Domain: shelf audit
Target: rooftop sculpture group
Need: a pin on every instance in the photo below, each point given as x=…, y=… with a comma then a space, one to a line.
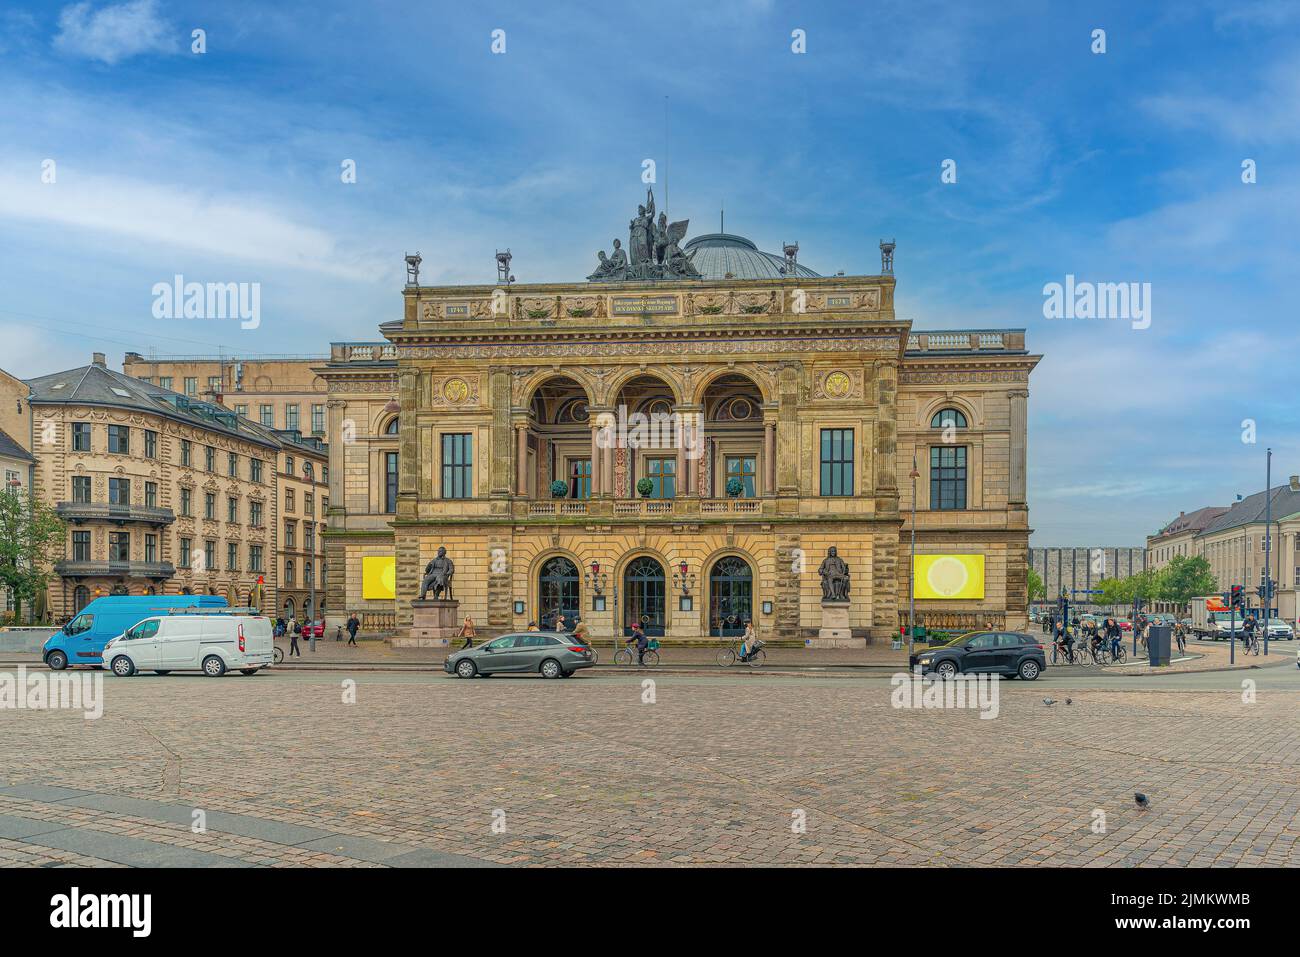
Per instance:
x=654, y=250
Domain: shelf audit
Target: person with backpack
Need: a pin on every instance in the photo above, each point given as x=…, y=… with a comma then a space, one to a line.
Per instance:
x=294, y=630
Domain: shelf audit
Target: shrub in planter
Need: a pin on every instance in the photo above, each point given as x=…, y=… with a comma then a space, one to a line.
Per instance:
x=559, y=489
x=644, y=487
x=735, y=487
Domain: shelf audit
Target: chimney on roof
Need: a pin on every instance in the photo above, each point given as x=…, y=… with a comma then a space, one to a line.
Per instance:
x=97, y=358
x=1181, y=514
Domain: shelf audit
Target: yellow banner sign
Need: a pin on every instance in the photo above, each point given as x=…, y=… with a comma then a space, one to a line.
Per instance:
x=378, y=576
x=949, y=576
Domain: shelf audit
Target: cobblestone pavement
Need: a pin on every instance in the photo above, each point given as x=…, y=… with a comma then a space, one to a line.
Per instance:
x=428, y=770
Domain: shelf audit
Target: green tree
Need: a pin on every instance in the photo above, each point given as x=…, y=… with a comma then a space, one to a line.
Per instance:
x=1036, y=588
x=1186, y=578
x=31, y=538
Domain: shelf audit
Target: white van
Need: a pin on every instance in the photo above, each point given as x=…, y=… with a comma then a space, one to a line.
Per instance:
x=211, y=643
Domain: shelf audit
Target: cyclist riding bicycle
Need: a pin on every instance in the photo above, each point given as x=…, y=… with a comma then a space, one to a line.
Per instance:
x=1248, y=631
x=642, y=642
x=1115, y=634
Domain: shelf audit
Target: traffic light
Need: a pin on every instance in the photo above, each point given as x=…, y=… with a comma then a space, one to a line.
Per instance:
x=1236, y=600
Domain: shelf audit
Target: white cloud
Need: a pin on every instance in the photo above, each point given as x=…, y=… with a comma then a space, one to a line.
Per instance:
x=113, y=33
x=240, y=228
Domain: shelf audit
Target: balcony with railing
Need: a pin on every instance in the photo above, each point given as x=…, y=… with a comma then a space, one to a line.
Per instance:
x=112, y=568
x=76, y=513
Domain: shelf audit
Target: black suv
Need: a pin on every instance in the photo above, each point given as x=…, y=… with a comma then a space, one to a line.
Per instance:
x=1009, y=653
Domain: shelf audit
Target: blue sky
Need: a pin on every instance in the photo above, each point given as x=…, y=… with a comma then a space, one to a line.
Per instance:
x=1115, y=167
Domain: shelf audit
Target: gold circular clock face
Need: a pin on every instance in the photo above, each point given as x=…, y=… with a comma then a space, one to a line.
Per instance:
x=455, y=390
x=947, y=577
x=837, y=385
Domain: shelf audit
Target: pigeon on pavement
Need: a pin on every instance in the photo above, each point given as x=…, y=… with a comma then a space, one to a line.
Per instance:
x=1142, y=800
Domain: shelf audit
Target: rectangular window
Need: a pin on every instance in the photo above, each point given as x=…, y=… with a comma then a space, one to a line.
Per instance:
x=289, y=500
x=232, y=556
x=210, y=555
x=662, y=474
x=741, y=468
x=119, y=440
x=119, y=491
x=288, y=465
x=165, y=382
x=290, y=534
x=151, y=494
x=81, y=436
x=318, y=419
x=241, y=408
x=309, y=504
x=191, y=386
x=309, y=536
x=81, y=546
x=255, y=514
x=232, y=464
x=187, y=448
x=266, y=415
x=291, y=416
x=81, y=489
x=837, y=462
x=151, y=548
x=579, y=478
x=390, y=483
x=948, y=477
x=210, y=506
x=186, y=498
x=150, y=444
x=232, y=509
x=254, y=558
x=119, y=546
x=209, y=458
x=214, y=383
x=457, y=465
x=185, y=553
x=255, y=470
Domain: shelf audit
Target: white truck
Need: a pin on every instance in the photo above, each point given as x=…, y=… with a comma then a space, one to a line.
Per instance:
x=1211, y=618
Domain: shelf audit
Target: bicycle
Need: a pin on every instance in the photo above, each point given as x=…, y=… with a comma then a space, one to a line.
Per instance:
x=731, y=654
x=277, y=655
x=627, y=656
x=1250, y=643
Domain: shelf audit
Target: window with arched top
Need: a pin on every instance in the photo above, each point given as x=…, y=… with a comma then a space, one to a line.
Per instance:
x=392, y=427
x=948, y=418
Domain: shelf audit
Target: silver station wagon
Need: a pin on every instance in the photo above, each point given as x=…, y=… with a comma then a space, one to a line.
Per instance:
x=552, y=654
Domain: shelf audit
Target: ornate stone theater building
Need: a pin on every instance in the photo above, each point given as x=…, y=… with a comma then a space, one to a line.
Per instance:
x=678, y=441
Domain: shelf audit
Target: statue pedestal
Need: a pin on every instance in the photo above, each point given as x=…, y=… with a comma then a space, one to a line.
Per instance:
x=835, y=631
x=436, y=623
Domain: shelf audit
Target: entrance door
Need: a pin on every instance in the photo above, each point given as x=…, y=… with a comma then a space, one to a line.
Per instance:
x=731, y=597
x=557, y=593
x=643, y=586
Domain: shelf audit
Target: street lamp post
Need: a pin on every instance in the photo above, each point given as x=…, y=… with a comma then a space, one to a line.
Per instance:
x=911, y=572
x=1268, y=544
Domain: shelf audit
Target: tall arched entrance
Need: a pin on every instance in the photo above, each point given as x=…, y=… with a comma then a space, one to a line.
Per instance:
x=731, y=597
x=643, y=591
x=557, y=593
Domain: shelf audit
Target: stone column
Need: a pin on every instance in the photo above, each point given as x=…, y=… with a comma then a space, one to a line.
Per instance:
x=408, y=476
x=769, y=458
x=1019, y=425
x=521, y=458
x=595, y=463
x=337, y=454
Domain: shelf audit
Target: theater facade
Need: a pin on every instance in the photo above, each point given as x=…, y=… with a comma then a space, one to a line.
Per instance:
x=678, y=441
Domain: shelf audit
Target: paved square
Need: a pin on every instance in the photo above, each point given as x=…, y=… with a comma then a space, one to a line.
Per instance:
x=425, y=770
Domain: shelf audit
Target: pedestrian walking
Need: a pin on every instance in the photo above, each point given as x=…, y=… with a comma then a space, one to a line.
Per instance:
x=293, y=637
x=354, y=623
x=468, y=633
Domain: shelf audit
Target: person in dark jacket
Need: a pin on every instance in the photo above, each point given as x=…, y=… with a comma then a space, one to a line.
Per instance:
x=354, y=623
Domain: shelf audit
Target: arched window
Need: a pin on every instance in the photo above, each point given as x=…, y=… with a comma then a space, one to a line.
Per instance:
x=392, y=427
x=948, y=418
x=288, y=573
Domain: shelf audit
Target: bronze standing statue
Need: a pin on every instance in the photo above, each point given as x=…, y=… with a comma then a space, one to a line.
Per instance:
x=437, y=575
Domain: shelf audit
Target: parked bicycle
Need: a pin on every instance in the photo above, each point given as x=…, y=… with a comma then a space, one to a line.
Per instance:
x=731, y=654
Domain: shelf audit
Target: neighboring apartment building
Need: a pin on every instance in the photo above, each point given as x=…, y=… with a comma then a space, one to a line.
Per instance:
x=1234, y=545
x=162, y=493
x=16, y=471
x=277, y=393
x=302, y=476
x=1178, y=538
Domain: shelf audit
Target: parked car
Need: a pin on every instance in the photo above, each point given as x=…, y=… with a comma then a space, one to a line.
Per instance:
x=211, y=643
x=553, y=654
x=1009, y=653
x=1125, y=625
x=81, y=641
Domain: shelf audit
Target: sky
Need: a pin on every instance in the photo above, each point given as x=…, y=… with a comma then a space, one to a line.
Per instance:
x=128, y=157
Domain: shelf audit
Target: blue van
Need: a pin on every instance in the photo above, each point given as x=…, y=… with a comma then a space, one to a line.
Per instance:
x=82, y=640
